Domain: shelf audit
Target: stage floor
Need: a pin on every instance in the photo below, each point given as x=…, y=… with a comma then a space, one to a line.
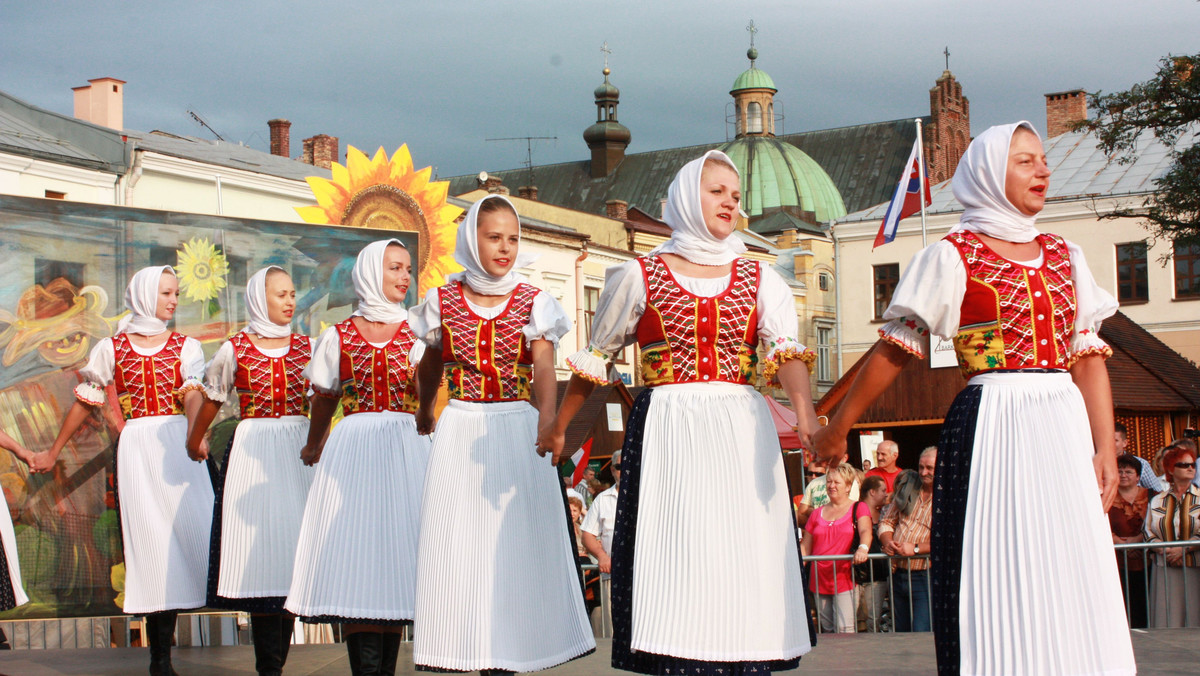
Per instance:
x=1162, y=651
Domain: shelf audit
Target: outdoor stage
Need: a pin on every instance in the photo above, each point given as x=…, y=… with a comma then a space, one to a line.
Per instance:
x=1162, y=651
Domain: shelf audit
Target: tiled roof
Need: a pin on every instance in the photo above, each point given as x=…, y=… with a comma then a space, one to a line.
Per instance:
x=864, y=162
x=29, y=131
x=226, y=154
x=1079, y=169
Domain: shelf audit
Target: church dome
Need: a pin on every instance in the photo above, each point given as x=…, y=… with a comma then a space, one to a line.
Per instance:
x=607, y=131
x=778, y=176
x=753, y=78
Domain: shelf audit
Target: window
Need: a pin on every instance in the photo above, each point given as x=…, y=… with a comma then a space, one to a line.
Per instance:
x=824, y=354
x=46, y=270
x=885, y=278
x=754, y=118
x=591, y=298
x=823, y=281
x=1187, y=270
x=1132, y=280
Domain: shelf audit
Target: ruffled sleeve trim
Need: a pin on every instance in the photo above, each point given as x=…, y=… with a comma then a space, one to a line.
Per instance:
x=189, y=384
x=90, y=393
x=590, y=364
x=907, y=334
x=782, y=350
x=547, y=320
x=218, y=377
x=1086, y=343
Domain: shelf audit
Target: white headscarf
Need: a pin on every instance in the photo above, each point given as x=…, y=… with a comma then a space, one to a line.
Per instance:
x=978, y=185
x=690, y=237
x=141, y=297
x=466, y=254
x=260, y=322
x=368, y=284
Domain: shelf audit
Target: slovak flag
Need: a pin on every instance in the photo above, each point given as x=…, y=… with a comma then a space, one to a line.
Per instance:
x=906, y=200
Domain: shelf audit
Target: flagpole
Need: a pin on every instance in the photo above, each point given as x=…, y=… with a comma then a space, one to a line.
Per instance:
x=921, y=185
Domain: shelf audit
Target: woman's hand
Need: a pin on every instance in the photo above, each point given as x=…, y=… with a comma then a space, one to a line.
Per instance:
x=828, y=444
x=425, y=422
x=311, y=453
x=860, y=555
x=42, y=462
x=1175, y=556
x=551, y=441
x=200, y=452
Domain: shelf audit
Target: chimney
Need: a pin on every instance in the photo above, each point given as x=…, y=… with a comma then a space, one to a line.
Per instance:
x=102, y=102
x=281, y=137
x=617, y=209
x=320, y=150
x=529, y=192
x=1064, y=110
x=495, y=184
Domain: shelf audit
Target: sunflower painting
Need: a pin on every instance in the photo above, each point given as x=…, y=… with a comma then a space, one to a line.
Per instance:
x=202, y=270
x=389, y=194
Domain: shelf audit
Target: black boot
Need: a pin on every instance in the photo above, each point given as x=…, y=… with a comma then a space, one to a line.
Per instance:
x=391, y=653
x=287, y=623
x=160, y=631
x=365, y=649
x=268, y=658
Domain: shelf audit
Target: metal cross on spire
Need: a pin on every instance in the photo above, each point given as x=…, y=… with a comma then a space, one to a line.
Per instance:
x=751, y=29
x=607, y=52
x=947, y=53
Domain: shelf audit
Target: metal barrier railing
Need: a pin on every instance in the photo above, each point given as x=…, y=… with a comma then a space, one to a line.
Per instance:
x=875, y=606
x=1160, y=598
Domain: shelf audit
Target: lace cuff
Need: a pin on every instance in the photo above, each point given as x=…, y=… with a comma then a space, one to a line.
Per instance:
x=1086, y=342
x=908, y=335
x=214, y=394
x=783, y=350
x=90, y=393
x=190, y=383
x=590, y=364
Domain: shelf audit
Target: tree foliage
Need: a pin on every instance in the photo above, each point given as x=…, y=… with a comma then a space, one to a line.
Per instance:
x=1167, y=106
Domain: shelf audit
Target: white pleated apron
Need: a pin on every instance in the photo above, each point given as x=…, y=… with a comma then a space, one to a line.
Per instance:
x=166, y=503
x=1039, y=592
x=357, y=554
x=497, y=585
x=266, y=486
x=716, y=573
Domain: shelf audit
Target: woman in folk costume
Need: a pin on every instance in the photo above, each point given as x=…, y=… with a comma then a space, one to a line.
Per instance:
x=12, y=593
x=357, y=556
x=1024, y=580
x=260, y=498
x=164, y=499
x=498, y=589
x=703, y=582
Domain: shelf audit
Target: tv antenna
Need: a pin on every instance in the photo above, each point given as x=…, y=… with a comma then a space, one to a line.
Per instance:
x=528, y=150
x=200, y=121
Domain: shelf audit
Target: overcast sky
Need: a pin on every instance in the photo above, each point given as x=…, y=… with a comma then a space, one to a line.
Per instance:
x=445, y=76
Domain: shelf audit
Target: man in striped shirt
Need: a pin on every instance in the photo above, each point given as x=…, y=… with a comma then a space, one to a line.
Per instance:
x=904, y=531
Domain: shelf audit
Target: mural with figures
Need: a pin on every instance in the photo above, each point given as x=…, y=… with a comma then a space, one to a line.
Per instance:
x=62, y=281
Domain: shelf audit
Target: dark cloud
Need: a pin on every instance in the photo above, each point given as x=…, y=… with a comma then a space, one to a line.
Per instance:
x=445, y=76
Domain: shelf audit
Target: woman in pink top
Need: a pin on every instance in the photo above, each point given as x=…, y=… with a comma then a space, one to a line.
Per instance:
x=830, y=532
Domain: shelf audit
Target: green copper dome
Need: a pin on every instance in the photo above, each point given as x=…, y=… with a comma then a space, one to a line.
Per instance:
x=777, y=174
x=753, y=78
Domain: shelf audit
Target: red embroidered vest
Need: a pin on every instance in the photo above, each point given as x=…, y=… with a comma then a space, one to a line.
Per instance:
x=1014, y=316
x=271, y=387
x=146, y=385
x=377, y=378
x=486, y=359
x=687, y=339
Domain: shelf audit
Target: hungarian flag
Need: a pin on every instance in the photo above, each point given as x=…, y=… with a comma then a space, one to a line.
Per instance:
x=907, y=199
x=580, y=460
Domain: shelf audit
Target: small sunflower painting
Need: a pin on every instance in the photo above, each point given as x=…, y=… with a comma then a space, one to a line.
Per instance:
x=390, y=194
x=202, y=270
